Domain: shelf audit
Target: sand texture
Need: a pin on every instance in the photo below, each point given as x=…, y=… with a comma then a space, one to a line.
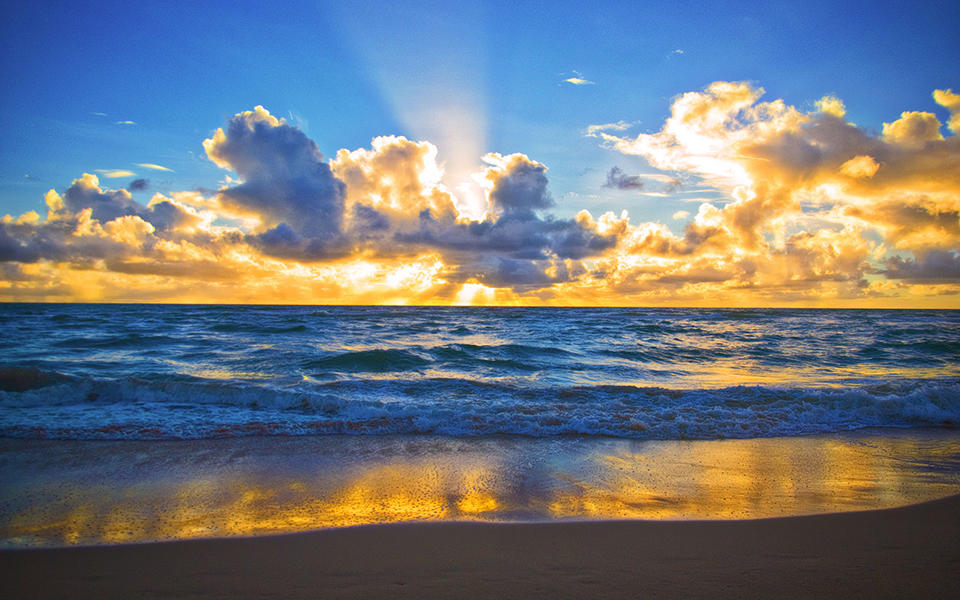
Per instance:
x=896, y=553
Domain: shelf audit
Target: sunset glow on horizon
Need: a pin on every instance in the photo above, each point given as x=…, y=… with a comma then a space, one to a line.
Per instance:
x=734, y=196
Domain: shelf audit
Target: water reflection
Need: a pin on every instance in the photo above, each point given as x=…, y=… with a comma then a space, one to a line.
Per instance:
x=61, y=493
x=739, y=479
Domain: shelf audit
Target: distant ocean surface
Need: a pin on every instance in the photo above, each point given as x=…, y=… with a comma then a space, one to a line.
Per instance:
x=159, y=372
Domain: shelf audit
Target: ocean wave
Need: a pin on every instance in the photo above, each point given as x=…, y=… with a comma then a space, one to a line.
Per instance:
x=22, y=379
x=39, y=404
x=249, y=328
x=145, y=371
x=377, y=360
x=123, y=340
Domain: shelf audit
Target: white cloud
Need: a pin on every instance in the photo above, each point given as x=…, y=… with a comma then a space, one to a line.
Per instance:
x=578, y=79
x=155, y=167
x=596, y=130
x=114, y=173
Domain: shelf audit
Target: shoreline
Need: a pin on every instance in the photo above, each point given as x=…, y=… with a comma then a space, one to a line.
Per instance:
x=911, y=550
x=70, y=493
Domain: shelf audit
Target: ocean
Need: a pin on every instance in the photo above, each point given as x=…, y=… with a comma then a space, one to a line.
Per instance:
x=498, y=413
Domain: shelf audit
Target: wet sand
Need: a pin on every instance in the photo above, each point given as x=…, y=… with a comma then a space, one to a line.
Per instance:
x=902, y=552
x=67, y=493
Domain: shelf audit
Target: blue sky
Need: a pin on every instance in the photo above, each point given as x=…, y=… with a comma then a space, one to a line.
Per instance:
x=345, y=72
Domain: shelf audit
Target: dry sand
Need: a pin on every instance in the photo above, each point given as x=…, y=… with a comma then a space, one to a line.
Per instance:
x=897, y=553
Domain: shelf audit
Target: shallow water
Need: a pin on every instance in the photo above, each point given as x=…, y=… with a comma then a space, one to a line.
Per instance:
x=89, y=492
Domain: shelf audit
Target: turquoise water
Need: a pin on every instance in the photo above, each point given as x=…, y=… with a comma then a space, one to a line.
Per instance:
x=197, y=372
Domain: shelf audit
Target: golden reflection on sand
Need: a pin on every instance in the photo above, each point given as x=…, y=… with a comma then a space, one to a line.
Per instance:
x=731, y=479
x=737, y=479
x=247, y=506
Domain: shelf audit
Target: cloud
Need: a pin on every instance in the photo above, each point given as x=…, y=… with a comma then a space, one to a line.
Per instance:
x=85, y=193
x=617, y=179
x=138, y=185
x=831, y=105
x=577, y=79
x=913, y=129
x=782, y=169
x=912, y=222
x=126, y=123
x=951, y=102
x=519, y=186
x=804, y=207
x=396, y=204
x=395, y=178
x=155, y=167
x=285, y=184
x=860, y=166
x=388, y=201
x=86, y=197
x=115, y=173
x=595, y=130
x=933, y=266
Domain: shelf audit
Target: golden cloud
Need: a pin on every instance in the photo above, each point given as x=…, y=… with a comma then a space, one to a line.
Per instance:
x=860, y=166
x=115, y=173
x=951, y=102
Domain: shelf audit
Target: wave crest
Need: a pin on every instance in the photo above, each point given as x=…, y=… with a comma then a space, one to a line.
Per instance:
x=49, y=405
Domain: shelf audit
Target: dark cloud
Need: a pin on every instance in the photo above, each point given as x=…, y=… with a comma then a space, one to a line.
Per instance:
x=285, y=182
x=138, y=185
x=619, y=180
x=283, y=241
x=18, y=243
x=56, y=241
x=934, y=266
x=166, y=215
x=534, y=239
x=518, y=274
x=107, y=205
x=521, y=190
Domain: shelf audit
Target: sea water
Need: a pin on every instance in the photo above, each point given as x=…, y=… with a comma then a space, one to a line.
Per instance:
x=253, y=419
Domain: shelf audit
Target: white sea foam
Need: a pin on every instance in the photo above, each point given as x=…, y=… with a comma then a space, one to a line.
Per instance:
x=95, y=409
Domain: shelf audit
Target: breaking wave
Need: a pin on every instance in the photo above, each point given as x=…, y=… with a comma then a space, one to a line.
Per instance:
x=51, y=405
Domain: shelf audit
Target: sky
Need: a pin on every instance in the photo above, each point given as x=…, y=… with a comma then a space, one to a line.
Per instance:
x=561, y=153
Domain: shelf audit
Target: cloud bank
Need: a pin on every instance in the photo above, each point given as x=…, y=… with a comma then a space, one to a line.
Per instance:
x=814, y=211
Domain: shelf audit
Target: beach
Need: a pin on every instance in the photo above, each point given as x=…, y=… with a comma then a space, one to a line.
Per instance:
x=430, y=517
x=893, y=553
x=178, y=451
